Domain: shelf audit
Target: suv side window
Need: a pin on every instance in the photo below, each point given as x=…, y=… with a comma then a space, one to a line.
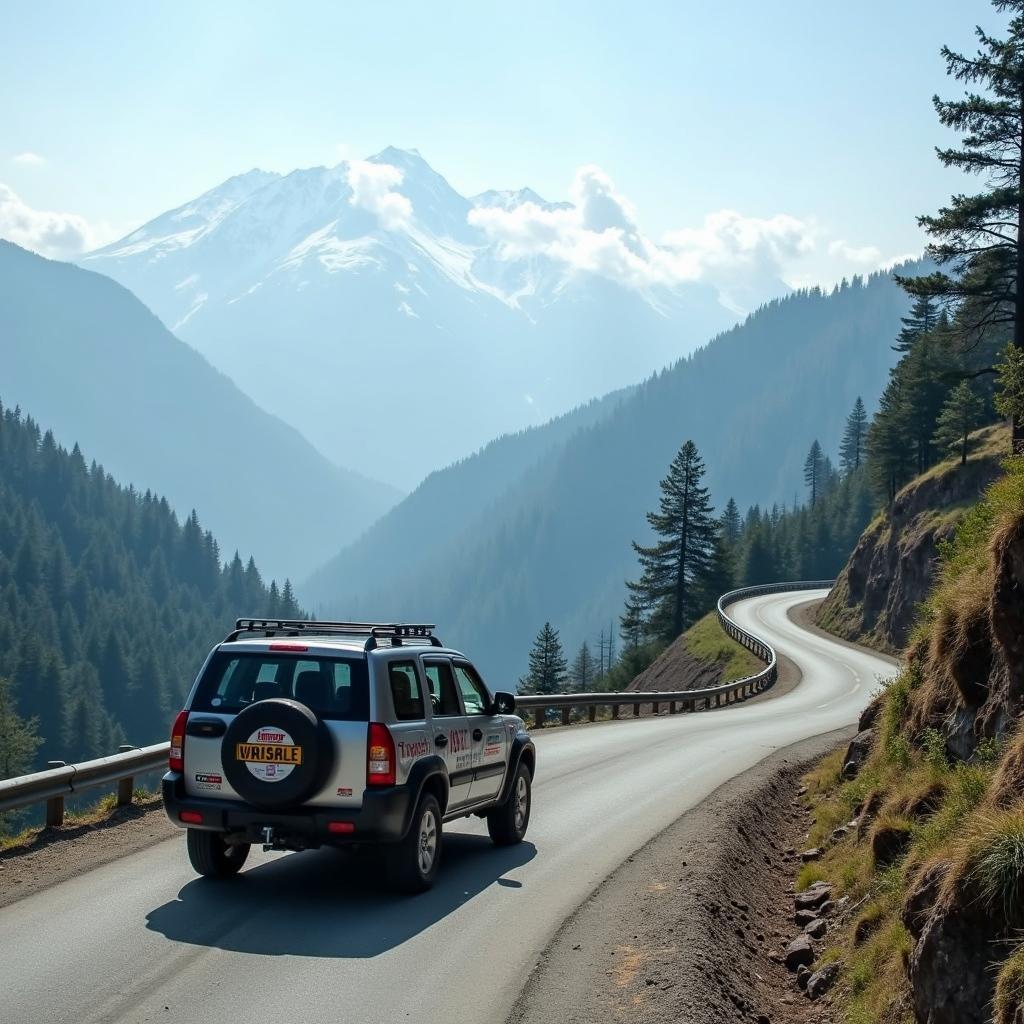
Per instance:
x=405, y=691
x=443, y=697
x=474, y=693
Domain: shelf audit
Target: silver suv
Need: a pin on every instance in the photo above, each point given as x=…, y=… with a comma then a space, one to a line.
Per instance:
x=302, y=734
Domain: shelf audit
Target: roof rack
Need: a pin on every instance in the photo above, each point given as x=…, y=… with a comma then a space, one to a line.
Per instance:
x=395, y=632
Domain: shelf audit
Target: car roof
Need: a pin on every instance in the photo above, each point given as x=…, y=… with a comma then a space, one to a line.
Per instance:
x=330, y=646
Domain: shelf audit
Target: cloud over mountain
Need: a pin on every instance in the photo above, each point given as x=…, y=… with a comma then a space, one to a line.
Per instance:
x=56, y=235
x=382, y=276
x=373, y=190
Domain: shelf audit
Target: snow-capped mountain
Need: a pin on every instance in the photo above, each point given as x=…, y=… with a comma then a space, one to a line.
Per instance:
x=377, y=309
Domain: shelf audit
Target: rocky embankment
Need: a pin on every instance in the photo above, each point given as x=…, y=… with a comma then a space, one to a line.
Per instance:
x=892, y=568
x=919, y=824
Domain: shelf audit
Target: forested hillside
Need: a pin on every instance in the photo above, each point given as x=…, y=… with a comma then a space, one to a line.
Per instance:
x=107, y=602
x=554, y=542
x=86, y=357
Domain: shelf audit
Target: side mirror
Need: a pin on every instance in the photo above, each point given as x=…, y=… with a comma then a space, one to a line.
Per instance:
x=503, y=703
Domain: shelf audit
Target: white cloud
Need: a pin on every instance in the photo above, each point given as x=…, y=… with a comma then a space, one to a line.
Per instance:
x=728, y=240
x=599, y=234
x=373, y=190
x=29, y=159
x=865, y=255
x=57, y=235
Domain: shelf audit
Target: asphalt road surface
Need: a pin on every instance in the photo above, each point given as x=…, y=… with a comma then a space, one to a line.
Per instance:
x=313, y=937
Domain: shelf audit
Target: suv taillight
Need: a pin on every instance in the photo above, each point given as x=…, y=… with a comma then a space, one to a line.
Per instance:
x=176, y=757
x=380, y=756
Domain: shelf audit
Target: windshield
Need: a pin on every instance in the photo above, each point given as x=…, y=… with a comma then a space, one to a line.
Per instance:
x=334, y=688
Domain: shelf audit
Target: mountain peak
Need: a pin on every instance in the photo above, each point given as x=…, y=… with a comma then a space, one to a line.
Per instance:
x=404, y=158
x=509, y=199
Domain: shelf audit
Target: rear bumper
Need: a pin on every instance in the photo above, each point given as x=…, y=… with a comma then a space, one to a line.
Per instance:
x=383, y=818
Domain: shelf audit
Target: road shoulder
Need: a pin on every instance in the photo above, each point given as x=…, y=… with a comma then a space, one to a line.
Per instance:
x=57, y=854
x=804, y=615
x=689, y=928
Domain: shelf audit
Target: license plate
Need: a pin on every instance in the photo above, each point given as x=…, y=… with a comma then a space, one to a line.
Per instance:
x=269, y=753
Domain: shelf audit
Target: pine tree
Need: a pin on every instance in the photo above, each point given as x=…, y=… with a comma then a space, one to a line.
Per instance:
x=978, y=238
x=674, y=568
x=19, y=738
x=732, y=525
x=851, y=448
x=633, y=625
x=583, y=671
x=548, y=670
x=959, y=416
x=922, y=319
x=814, y=471
x=888, y=445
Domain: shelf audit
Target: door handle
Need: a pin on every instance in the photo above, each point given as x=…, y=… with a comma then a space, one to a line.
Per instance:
x=441, y=740
x=478, y=735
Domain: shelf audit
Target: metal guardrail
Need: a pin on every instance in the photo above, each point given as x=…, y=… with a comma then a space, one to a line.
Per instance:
x=688, y=700
x=61, y=781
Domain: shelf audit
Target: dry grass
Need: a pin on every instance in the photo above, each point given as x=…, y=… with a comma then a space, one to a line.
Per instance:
x=96, y=814
x=1009, y=1004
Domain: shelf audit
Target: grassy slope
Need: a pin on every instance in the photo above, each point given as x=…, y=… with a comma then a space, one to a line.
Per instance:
x=708, y=642
x=968, y=815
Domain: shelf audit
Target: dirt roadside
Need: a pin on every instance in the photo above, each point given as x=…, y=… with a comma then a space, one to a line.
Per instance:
x=690, y=928
x=57, y=854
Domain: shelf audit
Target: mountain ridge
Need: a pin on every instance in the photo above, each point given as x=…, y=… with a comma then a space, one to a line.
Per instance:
x=377, y=266
x=174, y=424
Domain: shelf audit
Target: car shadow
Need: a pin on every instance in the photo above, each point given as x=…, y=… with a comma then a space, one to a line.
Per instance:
x=325, y=903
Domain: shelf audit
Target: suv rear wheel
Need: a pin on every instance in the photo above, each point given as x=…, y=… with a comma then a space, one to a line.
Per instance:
x=414, y=860
x=508, y=822
x=212, y=856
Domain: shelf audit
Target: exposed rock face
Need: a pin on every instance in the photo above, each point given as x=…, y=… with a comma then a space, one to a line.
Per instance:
x=857, y=753
x=951, y=975
x=893, y=566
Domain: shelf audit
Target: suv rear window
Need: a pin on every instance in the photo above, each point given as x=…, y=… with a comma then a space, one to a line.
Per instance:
x=335, y=688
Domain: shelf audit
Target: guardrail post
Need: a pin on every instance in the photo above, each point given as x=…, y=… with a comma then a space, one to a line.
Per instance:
x=565, y=715
x=615, y=710
x=125, y=786
x=538, y=718
x=592, y=713
x=718, y=700
x=672, y=708
x=55, y=806
x=691, y=706
x=636, y=710
x=655, y=706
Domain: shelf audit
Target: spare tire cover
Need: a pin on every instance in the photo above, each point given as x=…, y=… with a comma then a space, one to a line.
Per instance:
x=276, y=752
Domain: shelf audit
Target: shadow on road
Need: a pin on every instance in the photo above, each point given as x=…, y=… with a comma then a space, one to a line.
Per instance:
x=328, y=904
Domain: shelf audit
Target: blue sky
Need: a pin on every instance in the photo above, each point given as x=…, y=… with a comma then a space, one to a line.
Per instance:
x=817, y=110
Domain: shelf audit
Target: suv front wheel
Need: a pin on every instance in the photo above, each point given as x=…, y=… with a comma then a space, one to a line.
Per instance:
x=212, y=856
x=414, y=860
x=508, y=822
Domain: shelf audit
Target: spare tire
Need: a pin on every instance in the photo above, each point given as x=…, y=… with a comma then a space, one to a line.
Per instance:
x=276, y=752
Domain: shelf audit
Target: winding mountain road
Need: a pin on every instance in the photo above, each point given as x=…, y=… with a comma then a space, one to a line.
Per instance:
x=309, y=937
